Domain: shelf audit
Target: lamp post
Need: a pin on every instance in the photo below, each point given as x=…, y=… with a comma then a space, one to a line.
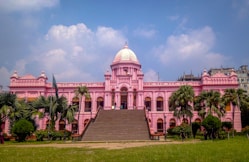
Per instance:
x=165, y=127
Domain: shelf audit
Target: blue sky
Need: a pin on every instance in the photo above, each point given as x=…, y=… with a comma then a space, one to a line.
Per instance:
x=77, y=40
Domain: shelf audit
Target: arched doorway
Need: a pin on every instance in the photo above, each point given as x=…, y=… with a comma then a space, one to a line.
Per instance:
x=198, y=120
x=2, y=126
x=74, y=126
x=123, y=98
x=48, y=124
x=100, y=102
x=62, y=125
x=147, y=103
x=185, y=120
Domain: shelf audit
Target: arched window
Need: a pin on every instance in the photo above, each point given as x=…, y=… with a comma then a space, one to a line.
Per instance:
x=76, y=101
x=2, y=126
x=147, y=103
x=172, y=123
x=160, y=125
x=185, y=121
x=159, y=104
x=75, y=126
x=48, y=124
x=228, y=107
x=198, y=120
x=62, y=125
x=88, y=105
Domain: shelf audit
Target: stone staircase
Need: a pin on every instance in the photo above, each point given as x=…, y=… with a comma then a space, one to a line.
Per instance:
x=116, y=125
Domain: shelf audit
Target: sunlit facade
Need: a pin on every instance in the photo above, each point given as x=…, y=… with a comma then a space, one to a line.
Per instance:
x=123, y=88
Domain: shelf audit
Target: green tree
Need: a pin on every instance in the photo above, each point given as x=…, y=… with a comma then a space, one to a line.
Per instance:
x=7, y=103
x=55, y=105
x=183, y=130
x=209, y=103
x=15, y=110
x=24, y=110
x=244, y=108
x=195, y=127
x=181, y=102
x=22, y=128
x=69, y=113
x=80, y=92
x=212, y=125
x=235, y=97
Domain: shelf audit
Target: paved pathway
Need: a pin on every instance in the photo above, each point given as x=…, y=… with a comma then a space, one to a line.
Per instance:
x=107, y=145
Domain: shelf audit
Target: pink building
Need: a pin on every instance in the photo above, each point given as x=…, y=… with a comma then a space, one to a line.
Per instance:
x=124, y=88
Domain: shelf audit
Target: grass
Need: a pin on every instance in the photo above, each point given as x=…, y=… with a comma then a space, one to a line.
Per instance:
x=232, y=150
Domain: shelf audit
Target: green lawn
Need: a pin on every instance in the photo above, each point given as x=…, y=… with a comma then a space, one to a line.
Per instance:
x=232, y=150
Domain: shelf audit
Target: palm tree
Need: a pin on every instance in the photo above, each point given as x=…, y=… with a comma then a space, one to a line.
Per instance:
x=236, y=97
x=181, y=102
x=14, y=109
x=80, y=92
x=7, y=103
x=18, y=111
x=54, y=105
x=199, y=105
x=69, y=113
x=209, y=102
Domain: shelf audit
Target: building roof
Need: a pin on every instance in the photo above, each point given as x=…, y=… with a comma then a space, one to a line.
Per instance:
x=125, y=55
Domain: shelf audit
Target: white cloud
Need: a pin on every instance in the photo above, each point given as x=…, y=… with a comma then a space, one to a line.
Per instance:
x=62, y=33
x=76, y=53
x=151, y=75
x=107, y=37
x=191, y=50
x=186, y=46
x=26, y=5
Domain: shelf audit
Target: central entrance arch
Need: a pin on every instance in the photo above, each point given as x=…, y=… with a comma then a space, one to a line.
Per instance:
x=123, y=98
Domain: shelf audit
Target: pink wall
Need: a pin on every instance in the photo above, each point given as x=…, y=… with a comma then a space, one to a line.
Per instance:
x=125, y=79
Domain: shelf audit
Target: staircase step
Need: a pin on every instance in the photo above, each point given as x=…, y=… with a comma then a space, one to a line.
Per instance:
x=118, y=125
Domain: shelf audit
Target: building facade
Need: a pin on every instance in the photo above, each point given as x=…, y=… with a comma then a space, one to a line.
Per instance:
x=243, y=77
x=242, y=74
x=124, y=88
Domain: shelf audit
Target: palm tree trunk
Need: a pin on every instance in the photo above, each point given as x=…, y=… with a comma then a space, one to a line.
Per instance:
x=233, y=120
x=191, y=133
x=79, y=114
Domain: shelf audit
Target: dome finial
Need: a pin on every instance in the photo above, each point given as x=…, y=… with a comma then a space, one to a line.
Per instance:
x=126, y=44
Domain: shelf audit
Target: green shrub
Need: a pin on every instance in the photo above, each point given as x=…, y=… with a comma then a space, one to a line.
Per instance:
x=212, y=125
x=222, y=134
x=54, y=135
x=245, y=130
x=183, y=129
x=227, y=125
x=22, y=128
x=41, y=134
x=170, y=131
